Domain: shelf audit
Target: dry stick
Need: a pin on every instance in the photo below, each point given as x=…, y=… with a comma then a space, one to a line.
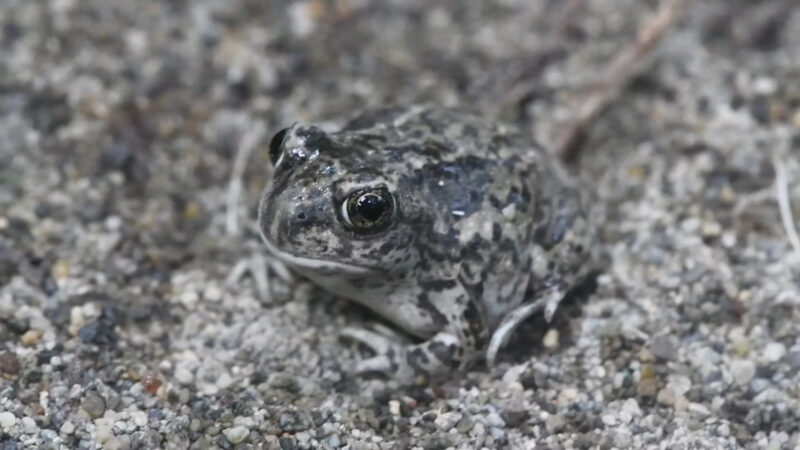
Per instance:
x=782, y=194
x=627, y=63
x=247, y=143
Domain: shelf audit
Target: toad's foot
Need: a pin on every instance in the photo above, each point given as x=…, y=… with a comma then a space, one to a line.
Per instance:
x=442, y=354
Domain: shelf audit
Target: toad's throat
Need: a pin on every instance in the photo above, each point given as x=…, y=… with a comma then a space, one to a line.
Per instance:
x=316, y=264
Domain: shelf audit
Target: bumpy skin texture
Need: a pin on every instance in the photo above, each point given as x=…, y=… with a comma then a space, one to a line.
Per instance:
x=478, y=224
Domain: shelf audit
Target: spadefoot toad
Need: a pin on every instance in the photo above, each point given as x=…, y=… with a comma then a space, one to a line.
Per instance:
x=448, y=226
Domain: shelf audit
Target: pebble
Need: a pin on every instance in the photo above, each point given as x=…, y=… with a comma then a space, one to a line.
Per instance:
x=699, y=411
x=494, y=420
x=236, y=434
x=394, y=407
x=550, y=339
x=609, y=419
x=774, y=352
x=31, y=337
x=183, y=375
x=794, y=360
x=7, y=420
x=67, y=428
x=94, y=405
x=666, y=396
x=647, y=387
x=743, y=371
x=448, y=420
x=29, y=425
x=664, y=347
x=9, y=364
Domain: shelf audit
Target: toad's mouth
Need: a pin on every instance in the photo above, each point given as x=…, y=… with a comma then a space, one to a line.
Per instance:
x=322, y=266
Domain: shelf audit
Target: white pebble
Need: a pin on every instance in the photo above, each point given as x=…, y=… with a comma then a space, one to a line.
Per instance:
x=394, y=407
x=29, y=425
x=67, y=428
x=743, y=371
x=609, y=420
x=139, y=418
x=236, y=434
x=774, y=352
x=183, y=375
x=7, y=420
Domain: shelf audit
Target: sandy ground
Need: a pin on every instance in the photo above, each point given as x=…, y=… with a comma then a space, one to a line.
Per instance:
x=135, y=312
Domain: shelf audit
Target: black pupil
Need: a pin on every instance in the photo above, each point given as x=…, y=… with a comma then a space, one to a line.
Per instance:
x=371, y=207
x=275, y=145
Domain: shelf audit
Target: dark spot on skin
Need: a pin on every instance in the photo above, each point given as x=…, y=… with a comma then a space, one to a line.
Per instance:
x=474, y=323
x=424, y=303
x=437, y=285
x=445, y=353
x=497, y=232
x=417, y=359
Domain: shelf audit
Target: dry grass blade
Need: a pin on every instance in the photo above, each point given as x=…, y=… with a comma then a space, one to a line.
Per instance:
x=246, y=146
x=625, y=65
x=782, y=194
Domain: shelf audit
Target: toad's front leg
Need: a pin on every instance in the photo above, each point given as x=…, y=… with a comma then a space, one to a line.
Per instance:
x=450, y=350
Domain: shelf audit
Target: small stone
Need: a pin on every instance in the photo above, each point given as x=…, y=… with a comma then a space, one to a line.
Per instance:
x=67, y=428
x=465, y=425
x=494, y=420
x=699, y=411
x=664, y=348
x=794, y=360
x=94, y=405
x=555, y=423
x=151, y=384
x=236, y=434
x=609, y=420
x=31, y=337
x=550, y=339
x=774, y=352
x=646, y=356
x=666, y=396
x=7, y=421
x=139, y=418
x=9, y=364
x=183, y=375
x=394, y=407
x=287, y=443
x=681, y=403
x=647, y=387
x=29, y=425
x=446, y=421
x=334, y=441
x=743, y=371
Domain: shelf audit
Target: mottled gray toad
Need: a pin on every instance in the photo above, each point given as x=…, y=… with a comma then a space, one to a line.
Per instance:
x=450, y=227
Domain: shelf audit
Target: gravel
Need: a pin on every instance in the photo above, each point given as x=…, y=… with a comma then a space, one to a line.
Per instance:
x=134, y=314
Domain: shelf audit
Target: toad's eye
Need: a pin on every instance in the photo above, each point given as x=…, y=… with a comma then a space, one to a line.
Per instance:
x=275, y=146
x=368, y=211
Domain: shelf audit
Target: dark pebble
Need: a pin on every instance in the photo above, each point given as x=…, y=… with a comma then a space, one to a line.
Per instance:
x=287, y=443
x=99, y=332
x=664, y=348
x=759, y=109
x=10, y=445
x=9, y=364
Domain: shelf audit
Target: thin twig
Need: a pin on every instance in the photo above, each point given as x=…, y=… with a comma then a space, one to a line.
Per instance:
x=625, y=65
x=247, y=143
x=782, y=194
